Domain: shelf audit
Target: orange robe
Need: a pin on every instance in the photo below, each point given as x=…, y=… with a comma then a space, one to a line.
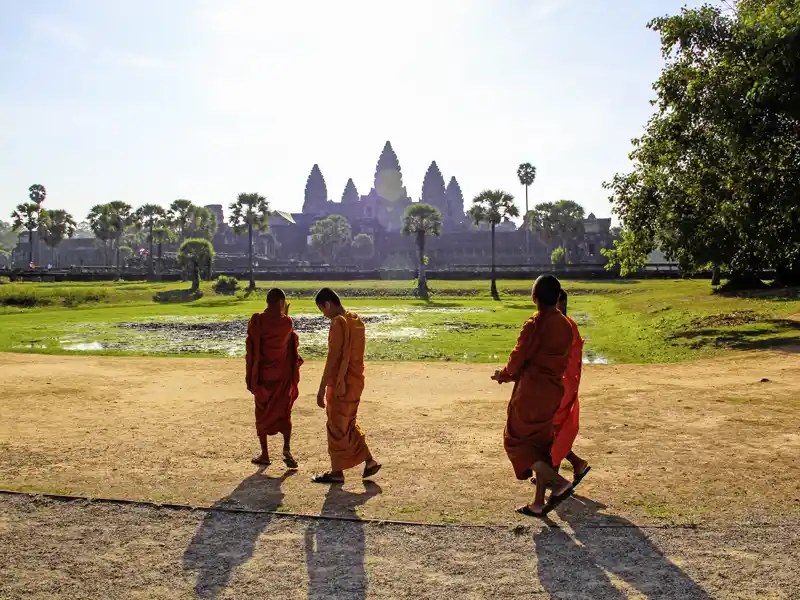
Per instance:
x=273, y=370
x=537, y=365
x=565, y=423
x=344, y=382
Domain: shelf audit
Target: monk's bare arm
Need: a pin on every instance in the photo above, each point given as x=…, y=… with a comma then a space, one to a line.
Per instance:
x=335, y=351
x=526, y=344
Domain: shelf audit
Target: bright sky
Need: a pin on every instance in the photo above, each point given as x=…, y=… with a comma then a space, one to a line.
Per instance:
x=152, y=100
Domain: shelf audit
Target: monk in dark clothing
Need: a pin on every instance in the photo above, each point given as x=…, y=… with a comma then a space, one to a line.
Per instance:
x=340, y=390
x=273, y=373
x=536, y=366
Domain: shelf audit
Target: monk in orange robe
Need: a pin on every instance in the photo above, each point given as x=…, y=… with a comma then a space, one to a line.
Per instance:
x=536, y=366
x=273, y=373
x=340, y=390
x=565, y=423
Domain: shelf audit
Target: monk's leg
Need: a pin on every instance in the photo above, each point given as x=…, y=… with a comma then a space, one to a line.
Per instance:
x=547, y=476
x=263, y=458
x=288, y=458
x=578, y=464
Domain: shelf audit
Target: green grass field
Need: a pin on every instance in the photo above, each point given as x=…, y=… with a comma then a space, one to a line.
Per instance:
x=623, y=321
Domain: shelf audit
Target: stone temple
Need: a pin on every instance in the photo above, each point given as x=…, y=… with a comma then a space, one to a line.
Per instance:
x=378, y=214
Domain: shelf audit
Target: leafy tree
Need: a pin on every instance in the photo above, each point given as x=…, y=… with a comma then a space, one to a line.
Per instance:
x=150, y=217
x=716, y=174
x=180, y=216
x=56, y=226
x=330, y=236
x=421, y=220
x=250, y=212
x=26, y=216
x=557, y=223
x=492, y=206
x=121, y=217
x=161, y=236
x=196, y=254
x=37, y=194
x=526, y=173
x=559, y=257
x=101, y=222
x=202, y=223
x=363, y=247
x=8, y=238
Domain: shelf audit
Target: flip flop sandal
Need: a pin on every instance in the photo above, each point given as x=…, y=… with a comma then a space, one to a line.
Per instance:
x=370, y=471
x=290, y=463
x=326, y=478
x=555, y=500
x=580, y=477
x=526, y=510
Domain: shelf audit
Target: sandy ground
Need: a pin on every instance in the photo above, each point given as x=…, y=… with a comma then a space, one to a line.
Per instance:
x=712, y=444
x=78, y=551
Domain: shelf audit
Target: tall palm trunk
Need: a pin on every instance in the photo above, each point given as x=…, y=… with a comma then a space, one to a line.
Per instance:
x=118, y=256
x=150, y=257
x=422, y=282
x=195, y=276
x=160, y=245
x=30, y=247
x=250, y=253
x=526, y=224
x=495, y=295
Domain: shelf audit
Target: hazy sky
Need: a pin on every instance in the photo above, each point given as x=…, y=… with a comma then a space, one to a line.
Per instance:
x=152, y=100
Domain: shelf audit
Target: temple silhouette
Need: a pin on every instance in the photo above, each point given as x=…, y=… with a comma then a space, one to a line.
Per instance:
x=378, y=214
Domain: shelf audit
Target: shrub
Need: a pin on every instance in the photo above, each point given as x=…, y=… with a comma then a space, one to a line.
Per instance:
x=226, y=285
x=559, y=257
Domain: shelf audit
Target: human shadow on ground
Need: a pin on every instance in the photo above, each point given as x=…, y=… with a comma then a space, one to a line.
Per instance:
x=578, y=565
x=177, y=296
x=226, y=540
x=335, y=550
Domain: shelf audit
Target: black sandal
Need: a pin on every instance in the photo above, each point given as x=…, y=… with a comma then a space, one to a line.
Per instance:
x=579, y=478
x=326, y=478
x=556, y=499
x=526, y=510
x=290, y=462
x=370, y=471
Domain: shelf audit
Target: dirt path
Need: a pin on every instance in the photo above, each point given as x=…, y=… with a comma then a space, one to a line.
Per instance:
x=700, y=442
x=78, y=551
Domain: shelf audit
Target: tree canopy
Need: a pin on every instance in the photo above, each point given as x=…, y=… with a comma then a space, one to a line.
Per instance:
x=557, y=223
x=422, y=219
x=492, y=206
x=330, y=236
x=716, y=174
x=57, y=226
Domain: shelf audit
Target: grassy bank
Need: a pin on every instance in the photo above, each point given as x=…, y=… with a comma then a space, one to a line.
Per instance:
x=625, y=321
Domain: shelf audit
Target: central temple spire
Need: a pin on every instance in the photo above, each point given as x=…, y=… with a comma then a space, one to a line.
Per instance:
x=388, y=177
x=316, y=198
x=433, y=192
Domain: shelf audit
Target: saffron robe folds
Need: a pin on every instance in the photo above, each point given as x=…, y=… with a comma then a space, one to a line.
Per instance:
x=565, y=422
x=273, y=370
x=536, y=365
x=344, y=383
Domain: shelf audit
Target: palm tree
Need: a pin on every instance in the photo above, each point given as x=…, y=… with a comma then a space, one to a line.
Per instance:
x=492, y=206
x=102, y=226
x=196, y=254
x=250, y=211
x=180, y=217
x=161, y=236
x=149, y=217
x=421, y=220
x=121, y=218
x=57, y=226
x=37, y=194
x=26, y=216
x=527, y=174
x=201, y=223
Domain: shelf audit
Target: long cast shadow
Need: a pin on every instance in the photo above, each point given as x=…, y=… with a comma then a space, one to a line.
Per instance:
x=580, y=567
x=224, y=540
x=335, y=550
